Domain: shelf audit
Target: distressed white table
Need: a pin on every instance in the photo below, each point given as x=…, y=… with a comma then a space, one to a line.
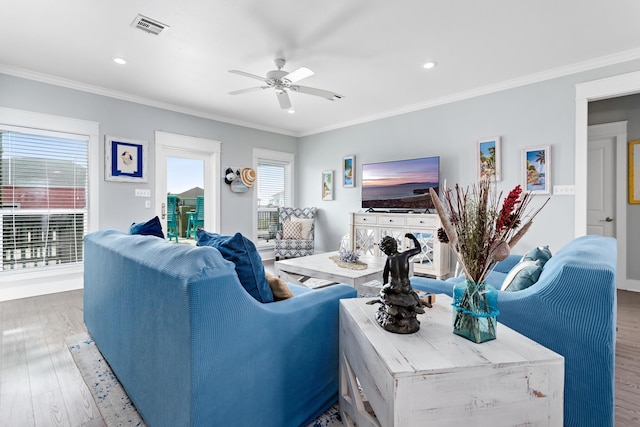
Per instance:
x=321, y=266
x=434, y=377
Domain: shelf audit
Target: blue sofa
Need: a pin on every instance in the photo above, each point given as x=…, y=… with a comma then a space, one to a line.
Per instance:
x=192, y=348
x=571, y=310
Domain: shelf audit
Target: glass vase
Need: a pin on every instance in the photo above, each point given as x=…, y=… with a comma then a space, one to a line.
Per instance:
x=475, y=307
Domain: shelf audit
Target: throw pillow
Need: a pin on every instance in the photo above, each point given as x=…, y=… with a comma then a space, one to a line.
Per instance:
x=291, y=230
x=523, y=275
x=307, y=224
x=541, y=254
x=279, y=288
x=248, y=263
x=153, y=227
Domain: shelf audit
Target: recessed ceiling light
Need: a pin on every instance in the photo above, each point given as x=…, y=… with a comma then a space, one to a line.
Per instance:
x=119, y=61
x=291, y=111
x=429, y=65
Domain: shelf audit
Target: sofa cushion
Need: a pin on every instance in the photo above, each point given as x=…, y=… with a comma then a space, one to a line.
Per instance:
x=248, y=263
x=307, y=225
x=523, y=275
x=279, y=288
x=153, y=227
x=291, y=230
x=542, y=254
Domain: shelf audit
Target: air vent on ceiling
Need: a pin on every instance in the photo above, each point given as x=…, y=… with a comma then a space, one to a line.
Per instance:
x=148, y=25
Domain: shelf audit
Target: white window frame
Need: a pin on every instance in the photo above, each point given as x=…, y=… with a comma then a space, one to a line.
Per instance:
x=25, y=282
x=278, y=156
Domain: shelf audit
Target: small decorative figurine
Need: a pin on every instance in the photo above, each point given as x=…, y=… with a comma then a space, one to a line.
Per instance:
x=400, y=304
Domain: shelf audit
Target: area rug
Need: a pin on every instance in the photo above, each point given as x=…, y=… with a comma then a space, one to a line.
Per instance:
x=112, y=401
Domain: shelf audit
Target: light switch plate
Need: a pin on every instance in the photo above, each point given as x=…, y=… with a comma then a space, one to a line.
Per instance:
x=142, y=192
x=564, y=190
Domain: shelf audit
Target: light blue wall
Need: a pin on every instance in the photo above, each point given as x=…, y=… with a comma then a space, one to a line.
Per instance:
x=118, y=206
x=537, y=114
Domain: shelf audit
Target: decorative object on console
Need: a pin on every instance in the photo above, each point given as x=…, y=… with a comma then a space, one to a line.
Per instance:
x=125, y=159
x=480, y=233
x=489, y=159
x=634, y=172
x=291, y=248
x=536, y=169
x=349, y=171
x=327, y=185
x=400, y=304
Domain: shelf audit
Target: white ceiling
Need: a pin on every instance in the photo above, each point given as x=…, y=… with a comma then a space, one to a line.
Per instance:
x=370, y=51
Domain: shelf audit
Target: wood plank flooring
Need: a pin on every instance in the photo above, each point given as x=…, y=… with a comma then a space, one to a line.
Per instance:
x=41, y=386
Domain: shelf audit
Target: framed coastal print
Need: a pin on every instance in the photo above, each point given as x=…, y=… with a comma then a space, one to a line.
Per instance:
x=536, y=169
x=489, y=159
x=634, y=172
x=348, y=171
x=125, y=159
x=327, y=185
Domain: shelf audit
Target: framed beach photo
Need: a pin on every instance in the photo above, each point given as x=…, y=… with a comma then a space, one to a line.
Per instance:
x=634, y=172
x=327, y=185
x=489, y=159
x=536, y=169
x=349, y=171
x=125, y=159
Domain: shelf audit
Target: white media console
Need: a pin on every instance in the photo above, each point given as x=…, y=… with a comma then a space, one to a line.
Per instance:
x=367, y=229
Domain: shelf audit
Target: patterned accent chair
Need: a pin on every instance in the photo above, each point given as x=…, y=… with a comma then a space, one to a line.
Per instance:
x=302, y=245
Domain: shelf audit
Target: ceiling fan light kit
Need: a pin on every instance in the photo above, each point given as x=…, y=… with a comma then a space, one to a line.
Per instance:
x=281, y=80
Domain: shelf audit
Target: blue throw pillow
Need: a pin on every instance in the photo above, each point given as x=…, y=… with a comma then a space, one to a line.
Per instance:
x=523, y=275
x=243, y=253
x=153, y=227
x=542, y=254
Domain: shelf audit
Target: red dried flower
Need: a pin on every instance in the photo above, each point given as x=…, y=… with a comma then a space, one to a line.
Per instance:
x=506, y=218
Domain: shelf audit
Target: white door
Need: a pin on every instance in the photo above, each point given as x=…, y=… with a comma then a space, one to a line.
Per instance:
x=601, y=185
x=206, y=155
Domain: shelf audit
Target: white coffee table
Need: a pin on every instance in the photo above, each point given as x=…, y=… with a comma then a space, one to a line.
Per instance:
x=434, y=377
x=320, y=266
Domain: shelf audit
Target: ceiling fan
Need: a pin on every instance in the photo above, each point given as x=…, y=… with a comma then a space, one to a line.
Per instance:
x=282, y=81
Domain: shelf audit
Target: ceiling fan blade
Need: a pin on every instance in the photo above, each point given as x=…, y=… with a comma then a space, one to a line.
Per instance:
x=251, y=89
x=331, y=96
x=253, y=76
x=299, y=74
x=283, y=99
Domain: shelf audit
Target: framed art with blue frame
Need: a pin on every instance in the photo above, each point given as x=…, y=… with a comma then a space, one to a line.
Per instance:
x=125, y=159
x=348, y=171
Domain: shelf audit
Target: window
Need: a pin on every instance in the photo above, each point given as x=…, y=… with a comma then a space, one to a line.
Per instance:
x=274, y=189
x=43, y=198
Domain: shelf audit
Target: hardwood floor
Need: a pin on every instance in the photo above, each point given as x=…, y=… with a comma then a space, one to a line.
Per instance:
x=41, y=386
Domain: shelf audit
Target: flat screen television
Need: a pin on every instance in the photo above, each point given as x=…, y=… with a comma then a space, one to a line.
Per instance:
x=401, y=185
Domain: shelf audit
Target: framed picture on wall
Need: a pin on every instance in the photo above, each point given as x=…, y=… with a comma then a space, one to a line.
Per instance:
x=489, y=159
x=349, y=171
x=327, y=185
x=536, y=169
x=125, y=159
x=634, y=172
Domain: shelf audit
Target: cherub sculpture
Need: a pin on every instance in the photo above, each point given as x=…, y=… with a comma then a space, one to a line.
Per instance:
x=400, y=303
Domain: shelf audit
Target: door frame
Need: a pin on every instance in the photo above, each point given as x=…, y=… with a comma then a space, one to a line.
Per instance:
x=610, y=87
x=175, y=145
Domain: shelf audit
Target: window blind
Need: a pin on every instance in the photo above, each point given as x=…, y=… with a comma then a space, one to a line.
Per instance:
x=43, y=198
x=272, y=192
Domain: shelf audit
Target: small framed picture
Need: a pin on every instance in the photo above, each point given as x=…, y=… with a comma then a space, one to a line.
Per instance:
x=327, y=185
x=489, y=159
x=125, y=159
x=536, y=167
x=349, y=171
x=634, y=172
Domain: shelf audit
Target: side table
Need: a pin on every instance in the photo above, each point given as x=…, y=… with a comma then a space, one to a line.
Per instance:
x=434, y=377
